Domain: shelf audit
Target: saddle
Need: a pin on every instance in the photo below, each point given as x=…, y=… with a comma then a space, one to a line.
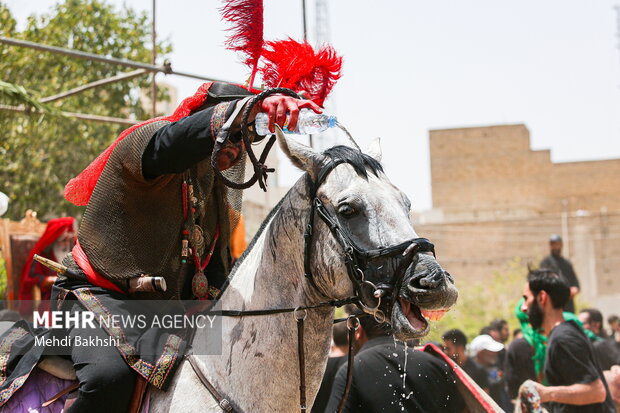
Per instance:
x=63, y=369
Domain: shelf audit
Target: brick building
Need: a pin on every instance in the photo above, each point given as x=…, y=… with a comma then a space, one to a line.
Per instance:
x=495, y=199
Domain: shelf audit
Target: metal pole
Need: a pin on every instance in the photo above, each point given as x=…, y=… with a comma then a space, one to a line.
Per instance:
x=83, y=116
x=153, y=82
x=565, y=228
x=166, y=68
x=303, y=9
x=97, y=83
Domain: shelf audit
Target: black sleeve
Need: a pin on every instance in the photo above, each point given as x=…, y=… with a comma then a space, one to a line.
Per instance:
x=338, y=390
x=179, y=145
x=571, y=359
x=571, y=277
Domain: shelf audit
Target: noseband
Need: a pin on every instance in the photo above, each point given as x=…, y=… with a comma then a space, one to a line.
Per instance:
x=357, y=259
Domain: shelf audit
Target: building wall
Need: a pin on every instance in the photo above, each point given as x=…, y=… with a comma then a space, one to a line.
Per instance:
x=493, y=169
x=495, y=199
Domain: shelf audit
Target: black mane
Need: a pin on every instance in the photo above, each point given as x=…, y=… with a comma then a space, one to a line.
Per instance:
x=357, y=159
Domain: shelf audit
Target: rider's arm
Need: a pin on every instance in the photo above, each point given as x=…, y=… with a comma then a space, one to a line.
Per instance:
x=178, y=145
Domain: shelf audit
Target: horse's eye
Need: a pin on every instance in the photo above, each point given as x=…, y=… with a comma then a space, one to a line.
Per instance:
x=346, y=210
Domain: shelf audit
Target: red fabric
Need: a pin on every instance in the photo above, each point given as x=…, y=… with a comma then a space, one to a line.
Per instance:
x=461, y=375
x=294, y=65
x=54, y=229
x=92, y=276
x=79, y=189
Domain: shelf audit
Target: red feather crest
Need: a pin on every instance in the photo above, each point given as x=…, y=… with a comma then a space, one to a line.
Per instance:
x=246, y=17
x=295, y=65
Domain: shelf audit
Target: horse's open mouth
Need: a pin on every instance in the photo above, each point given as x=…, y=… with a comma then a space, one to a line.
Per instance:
x=410, y=321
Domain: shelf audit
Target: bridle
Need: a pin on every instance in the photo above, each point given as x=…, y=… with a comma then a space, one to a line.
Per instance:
x=359, y=262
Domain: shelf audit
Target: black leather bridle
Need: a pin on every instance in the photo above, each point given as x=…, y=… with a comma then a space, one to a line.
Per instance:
x=359, y=261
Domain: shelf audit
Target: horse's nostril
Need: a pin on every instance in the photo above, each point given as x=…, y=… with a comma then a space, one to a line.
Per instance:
x=426, y=282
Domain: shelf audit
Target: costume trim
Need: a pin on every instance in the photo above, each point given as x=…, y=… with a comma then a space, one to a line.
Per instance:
x=166, y=361
x=5, y=351
x=6, y=394
x=219, y=117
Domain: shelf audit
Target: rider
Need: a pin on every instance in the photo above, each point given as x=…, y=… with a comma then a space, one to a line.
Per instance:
x=136, y=211
x=153, y=207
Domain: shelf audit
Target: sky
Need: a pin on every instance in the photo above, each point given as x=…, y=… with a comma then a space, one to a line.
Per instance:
x=414, y=65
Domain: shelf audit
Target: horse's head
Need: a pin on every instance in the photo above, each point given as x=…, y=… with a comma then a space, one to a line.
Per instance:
x=363, y=242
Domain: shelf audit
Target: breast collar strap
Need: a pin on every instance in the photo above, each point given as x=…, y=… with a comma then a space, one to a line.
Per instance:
x=355, y=257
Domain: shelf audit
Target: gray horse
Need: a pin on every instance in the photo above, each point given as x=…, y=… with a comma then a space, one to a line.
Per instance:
x=258, y=367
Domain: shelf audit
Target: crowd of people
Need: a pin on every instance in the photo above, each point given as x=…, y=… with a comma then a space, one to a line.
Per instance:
x=558, y=360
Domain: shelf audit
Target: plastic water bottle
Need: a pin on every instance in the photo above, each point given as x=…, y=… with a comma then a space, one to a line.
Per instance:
x=309, y=122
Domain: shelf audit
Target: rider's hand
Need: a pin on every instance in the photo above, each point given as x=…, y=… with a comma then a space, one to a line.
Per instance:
x=278, y=106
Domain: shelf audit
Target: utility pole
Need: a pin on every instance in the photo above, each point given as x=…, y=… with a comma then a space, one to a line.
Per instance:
x=321, y=38
x=565, y=228
x=321, y=34
x=153, y=82
x=305, y=26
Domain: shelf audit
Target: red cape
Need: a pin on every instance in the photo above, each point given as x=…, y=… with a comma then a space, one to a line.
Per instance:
x=80, y=188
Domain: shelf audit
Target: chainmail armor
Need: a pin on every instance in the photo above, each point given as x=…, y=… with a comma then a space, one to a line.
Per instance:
x=133, y=226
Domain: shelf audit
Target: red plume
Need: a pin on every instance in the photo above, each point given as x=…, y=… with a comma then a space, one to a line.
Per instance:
x=246, y=17
x=294, y=65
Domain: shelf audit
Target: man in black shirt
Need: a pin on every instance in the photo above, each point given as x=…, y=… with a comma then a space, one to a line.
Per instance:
x=454, y=342
x=389, y=377
x=575, y=382
x=560, y=265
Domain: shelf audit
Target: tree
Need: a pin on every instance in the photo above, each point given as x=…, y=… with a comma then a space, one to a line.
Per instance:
x=40, y=152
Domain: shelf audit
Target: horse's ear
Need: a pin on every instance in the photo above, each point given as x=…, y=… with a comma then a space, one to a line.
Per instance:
x=374, y=149
x=301, y=156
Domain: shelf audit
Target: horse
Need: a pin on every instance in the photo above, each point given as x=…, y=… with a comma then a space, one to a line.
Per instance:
x=257, y=370
x=341, y=234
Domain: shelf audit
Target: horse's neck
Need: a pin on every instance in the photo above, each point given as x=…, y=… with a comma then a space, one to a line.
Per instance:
x=259, y=353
